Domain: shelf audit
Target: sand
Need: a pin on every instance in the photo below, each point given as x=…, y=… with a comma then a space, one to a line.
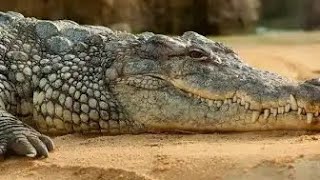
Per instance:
x=254, y=155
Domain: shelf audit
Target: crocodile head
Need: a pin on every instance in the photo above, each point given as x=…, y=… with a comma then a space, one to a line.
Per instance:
x=191, y=83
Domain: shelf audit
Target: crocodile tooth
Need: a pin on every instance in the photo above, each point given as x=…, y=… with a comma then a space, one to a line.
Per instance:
x=287, y=108
x=274, y=111
x=255, y=116
x=299, y=110
x=210, y=102
x=280, y=110
x=238, y=101
x=229, y=101
x=309, y=118
x=242, y=103
x=266, y=114
x=190, y=94
x=225, y=101
x=247, y=106
x=219, y=103
x=293, y=102
x=234, y=99
x=202, y=99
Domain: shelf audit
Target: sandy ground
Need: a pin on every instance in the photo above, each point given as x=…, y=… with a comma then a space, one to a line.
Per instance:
x=254, y=155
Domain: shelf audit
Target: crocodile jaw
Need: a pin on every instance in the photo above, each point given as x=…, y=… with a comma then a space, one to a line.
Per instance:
x=179, y=109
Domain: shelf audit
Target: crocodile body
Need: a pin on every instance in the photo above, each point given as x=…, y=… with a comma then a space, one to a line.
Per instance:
x=58, y=77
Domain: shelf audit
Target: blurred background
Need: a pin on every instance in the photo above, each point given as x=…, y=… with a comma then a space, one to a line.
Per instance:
x=214, y=17
x=275, y=35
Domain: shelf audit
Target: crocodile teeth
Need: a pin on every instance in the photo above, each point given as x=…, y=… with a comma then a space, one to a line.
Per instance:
x=242, y=103
x=210, y=102
x=255, y=116
x=247, y=106
x=274, y=111
x=234, y=99
x=299, y=110
x=309, y=118
x=287, y=108
x=281, y=110
x=219, y=103
x=266, y=114
x=293, y=102
x=226, y=101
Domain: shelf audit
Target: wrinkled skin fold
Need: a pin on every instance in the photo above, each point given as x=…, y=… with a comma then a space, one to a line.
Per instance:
x=58, y=77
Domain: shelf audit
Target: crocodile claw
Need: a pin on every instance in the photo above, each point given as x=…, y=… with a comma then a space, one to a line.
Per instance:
x=26, y=143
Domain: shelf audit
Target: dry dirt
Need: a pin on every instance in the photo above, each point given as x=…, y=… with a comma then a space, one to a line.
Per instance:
x=254, y=155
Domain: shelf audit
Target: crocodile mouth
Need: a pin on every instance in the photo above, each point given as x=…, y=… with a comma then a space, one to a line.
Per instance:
x=218, y=100
x=211, y=99
x=202, y=93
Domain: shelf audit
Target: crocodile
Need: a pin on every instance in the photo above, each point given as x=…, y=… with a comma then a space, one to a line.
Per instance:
x=59, y=77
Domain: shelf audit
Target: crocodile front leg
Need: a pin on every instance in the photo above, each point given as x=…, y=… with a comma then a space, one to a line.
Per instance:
x=16, y=136
x=21, y=139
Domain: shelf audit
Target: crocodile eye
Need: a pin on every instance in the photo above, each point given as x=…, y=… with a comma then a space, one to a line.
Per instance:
x=196, y=54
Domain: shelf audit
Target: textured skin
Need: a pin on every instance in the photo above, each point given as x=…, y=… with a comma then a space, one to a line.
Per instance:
x=59, y=77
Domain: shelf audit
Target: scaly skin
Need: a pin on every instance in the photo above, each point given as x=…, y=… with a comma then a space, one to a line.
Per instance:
x=59, y=77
